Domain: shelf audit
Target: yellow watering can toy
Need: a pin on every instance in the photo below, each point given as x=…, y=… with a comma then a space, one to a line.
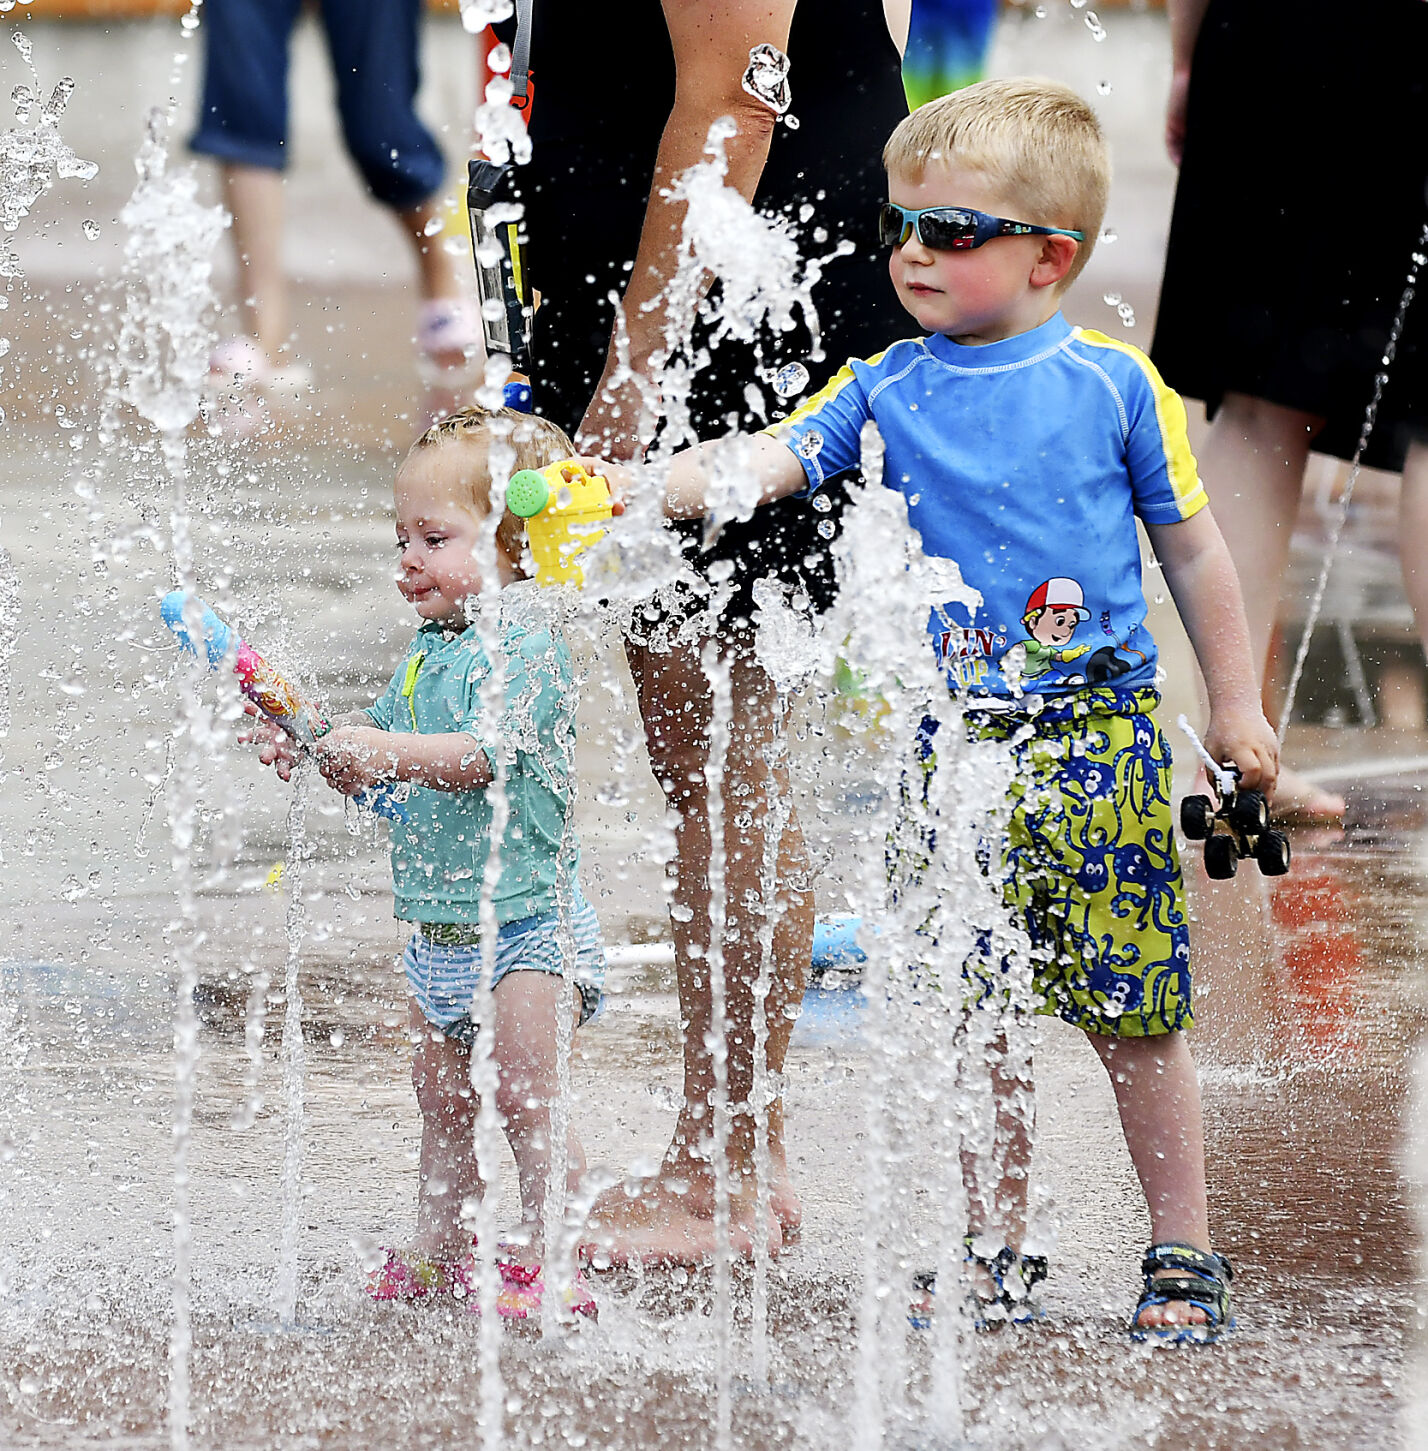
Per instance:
x=562, y=505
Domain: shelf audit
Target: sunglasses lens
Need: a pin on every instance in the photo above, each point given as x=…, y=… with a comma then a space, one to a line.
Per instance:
x=892, y=230
x=949, y=229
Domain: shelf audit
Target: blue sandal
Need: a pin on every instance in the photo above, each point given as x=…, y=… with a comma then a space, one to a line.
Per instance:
x=1015, y=1277
x=1204, y=1281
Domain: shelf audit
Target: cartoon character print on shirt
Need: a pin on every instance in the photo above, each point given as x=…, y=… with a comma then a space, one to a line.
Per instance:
x=1054, y=611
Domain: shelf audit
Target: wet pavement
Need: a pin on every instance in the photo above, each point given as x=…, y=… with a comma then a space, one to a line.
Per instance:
x=1312, y=990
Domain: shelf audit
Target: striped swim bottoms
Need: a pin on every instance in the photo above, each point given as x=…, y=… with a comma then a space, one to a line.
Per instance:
x=444, y=971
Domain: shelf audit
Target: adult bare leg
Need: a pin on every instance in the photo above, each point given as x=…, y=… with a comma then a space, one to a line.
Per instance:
x=672, y=1219
x=254, y=197
x=1413, y=535
x=1253, y=465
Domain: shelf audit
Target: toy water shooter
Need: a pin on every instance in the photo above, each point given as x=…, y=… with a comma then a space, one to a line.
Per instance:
x=502, y=273
x=563, y=507
x=265, y=687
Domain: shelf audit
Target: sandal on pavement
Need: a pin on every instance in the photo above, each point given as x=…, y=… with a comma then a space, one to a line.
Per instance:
x=1204, y=1281
x=523, y=1289
x=448, y=327
x=1015, y=1277
x=407, y=1276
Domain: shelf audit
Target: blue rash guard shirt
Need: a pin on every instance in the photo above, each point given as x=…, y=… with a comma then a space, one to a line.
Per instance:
x=1027, y=462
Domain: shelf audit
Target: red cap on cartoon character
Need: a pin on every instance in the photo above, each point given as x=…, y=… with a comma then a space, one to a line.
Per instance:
x=1057, y=594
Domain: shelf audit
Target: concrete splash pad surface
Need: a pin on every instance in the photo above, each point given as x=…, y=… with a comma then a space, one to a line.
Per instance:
x=1311, y=998
x=1306, y=1199
x=1303, y=1046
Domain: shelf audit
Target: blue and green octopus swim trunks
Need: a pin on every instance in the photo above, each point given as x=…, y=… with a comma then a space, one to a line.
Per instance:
x=1088, y=863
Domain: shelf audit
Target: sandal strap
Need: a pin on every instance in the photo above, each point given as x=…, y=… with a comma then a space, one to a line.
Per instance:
x=1034, y=1269
x=1186, y=1257
x=1204, y=1281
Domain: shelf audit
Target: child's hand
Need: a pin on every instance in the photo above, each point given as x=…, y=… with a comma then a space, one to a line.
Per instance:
x=276, y=746
x=351, y=758
x=1246, y=738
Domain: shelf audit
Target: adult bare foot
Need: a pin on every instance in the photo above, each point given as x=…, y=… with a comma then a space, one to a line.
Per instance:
x=660, y=1224
x=1298, y=801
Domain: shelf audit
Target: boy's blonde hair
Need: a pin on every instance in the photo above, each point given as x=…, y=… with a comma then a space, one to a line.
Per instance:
x=1036, y=141
x=536, y=441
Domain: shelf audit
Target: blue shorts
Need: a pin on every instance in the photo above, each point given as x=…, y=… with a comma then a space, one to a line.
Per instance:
x=443, y=979
x=374, y=48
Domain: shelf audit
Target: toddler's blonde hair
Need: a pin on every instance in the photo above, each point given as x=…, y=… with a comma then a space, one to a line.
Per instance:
x=536, y=441
x=1036, y=141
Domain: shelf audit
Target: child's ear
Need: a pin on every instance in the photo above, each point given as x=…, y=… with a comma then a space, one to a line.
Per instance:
x=1054, y=261
x=511, y=536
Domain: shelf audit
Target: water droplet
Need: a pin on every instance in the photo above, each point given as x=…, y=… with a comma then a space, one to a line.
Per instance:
x=189, y=22
x=827, y=528
x=1127, y=314
x=811, y=444
x=822, y=503
x=432, y=227
x=790, y=380
x=791, y=122
x=499, y=59
x=1103, y=88
x=1109, y=235
x=337, y=1037
x=1093, y=24
x=1112, y=299
x=91, y=229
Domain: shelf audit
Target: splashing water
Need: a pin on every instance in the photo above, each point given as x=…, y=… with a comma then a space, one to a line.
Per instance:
x=33, y=154
x=476, y=15
x=285, y=1284
x=168, y=261
x=9, y=633
x=766, y=79
x=163, y=346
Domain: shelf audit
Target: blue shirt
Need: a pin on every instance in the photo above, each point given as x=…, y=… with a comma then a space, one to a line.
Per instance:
x=439, y=854
x=1027, y=461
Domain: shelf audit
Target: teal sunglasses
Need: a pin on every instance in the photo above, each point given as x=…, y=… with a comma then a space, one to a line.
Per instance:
x=954, y=229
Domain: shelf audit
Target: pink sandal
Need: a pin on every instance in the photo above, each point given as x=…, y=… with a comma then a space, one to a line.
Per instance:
x=523, y=1288
x=447, y=326
x=407, y=1276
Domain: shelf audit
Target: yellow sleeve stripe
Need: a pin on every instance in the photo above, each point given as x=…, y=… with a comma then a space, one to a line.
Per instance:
x=831, y=389
x=1170, y=415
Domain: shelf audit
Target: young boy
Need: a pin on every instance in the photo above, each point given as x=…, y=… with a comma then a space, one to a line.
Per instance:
x=432, y=729
x=1027, y=448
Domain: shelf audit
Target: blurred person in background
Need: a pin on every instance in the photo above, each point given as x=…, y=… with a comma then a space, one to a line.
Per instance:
x=1302, y=141
x=243, y=125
